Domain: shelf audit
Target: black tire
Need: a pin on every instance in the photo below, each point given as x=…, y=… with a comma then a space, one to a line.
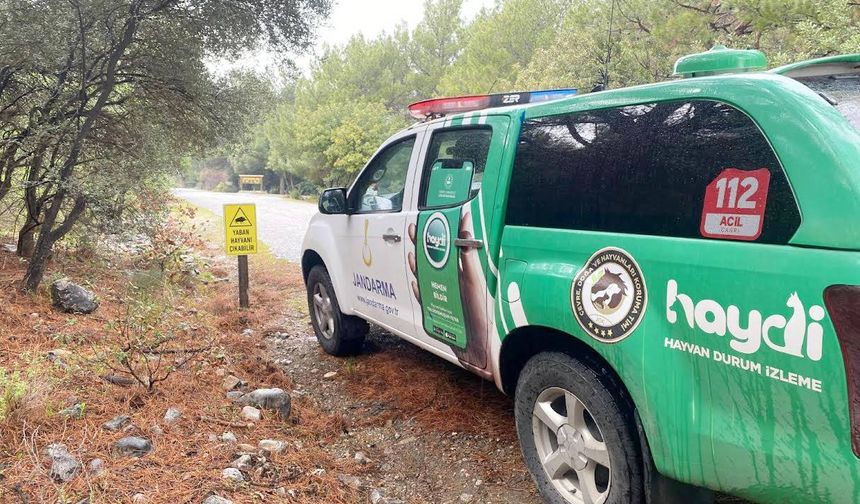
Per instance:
x=545, y=373
x=347, y=336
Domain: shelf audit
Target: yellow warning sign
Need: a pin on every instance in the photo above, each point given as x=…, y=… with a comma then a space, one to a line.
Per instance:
x=240, y=229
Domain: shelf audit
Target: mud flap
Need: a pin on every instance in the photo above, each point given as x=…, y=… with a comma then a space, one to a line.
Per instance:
x=663, y=490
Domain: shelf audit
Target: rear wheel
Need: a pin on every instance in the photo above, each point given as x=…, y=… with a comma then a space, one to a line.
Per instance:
x=337, y=333
x=578, y=437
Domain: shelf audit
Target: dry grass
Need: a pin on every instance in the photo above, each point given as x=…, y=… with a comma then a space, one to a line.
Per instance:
x=184, y=465
x=436, y=394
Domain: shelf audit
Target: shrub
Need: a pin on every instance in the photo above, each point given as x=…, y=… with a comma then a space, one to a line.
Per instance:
x=147, y=348
x=226, y=187
x=308, y=189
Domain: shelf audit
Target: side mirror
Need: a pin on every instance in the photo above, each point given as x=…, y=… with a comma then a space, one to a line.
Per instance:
x=333, y=201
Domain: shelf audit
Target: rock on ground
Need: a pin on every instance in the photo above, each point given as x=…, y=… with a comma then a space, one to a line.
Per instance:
x=72, y=298
x=172, y=416
x=378, y=497
x=96, y=466
x=214, y=499
x=64, y=467
x=59, y=356
x=273, y=399
x=134, y=446
x=251, y=413
x=233, y=474
x=350, y=480
x=232, y=382
x=76, y=412
x=272, y=446
x=244, y=462
x=116, y=423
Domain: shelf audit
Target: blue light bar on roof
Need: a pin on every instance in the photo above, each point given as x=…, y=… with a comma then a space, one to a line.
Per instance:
x=502, y=99
x=551, y=95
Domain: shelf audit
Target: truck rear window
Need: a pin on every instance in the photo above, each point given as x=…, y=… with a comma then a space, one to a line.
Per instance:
x=843, y=91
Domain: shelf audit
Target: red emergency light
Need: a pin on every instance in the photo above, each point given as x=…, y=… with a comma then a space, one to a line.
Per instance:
x=444, y=106
x=438, y=107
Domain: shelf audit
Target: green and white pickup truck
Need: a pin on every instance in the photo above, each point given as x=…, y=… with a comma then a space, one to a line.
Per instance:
x=666, y=278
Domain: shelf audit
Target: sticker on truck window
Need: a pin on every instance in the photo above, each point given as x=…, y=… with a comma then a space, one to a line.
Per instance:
x=734, y=205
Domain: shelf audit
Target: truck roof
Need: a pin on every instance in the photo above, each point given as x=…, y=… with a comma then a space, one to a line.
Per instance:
x=809, y=68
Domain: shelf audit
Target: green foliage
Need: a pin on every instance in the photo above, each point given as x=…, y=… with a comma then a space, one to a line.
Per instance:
x=322, y=128
x=436, y=44
x=306, y=188
x=13, y=389
x=332, y=122
x=648, y=37
x=500, y=43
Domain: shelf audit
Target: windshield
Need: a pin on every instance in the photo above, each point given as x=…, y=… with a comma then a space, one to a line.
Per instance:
x=843, y=91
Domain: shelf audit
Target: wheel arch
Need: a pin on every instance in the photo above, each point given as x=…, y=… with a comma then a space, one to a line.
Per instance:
x=310, y=258
x=525, y=342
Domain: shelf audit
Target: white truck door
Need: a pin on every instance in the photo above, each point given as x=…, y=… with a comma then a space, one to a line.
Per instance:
x=376, y=235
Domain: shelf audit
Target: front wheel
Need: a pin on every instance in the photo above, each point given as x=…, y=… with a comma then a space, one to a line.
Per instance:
x=338, y=334
x=578, y=437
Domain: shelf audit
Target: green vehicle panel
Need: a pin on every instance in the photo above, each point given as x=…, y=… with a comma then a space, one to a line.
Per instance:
x=736, y=427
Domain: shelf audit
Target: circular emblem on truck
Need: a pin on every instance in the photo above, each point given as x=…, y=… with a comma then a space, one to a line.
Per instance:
x=437, y=238
x=609, y=296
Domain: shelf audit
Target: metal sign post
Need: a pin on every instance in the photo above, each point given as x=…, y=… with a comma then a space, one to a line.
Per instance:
x=240, y=231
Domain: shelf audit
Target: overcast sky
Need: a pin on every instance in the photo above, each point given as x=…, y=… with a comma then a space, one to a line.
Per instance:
x=372, y=17
x=351, y=17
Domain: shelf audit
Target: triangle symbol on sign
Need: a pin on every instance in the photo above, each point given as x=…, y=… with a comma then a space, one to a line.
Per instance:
x=240, y=220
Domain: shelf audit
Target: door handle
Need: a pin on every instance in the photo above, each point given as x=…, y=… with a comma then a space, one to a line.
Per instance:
x=392, y=238
x=466, y=243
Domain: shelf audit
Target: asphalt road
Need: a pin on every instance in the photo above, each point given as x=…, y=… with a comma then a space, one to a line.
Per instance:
x=281, y=223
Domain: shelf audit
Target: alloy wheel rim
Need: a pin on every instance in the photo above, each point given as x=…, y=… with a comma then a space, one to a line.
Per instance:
x=323, y=312
x=570, y=447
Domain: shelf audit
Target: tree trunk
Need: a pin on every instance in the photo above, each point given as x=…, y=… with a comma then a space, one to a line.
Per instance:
x=33, y=206
x=47, y=239
x=48, y=235
x=27, y=239
x=283, y=184
x=7, y=168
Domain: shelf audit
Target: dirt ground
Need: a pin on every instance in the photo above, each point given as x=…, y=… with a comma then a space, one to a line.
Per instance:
x=433, y=432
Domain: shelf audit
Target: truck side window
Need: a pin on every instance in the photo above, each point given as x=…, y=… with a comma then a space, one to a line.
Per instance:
x=454, y=167
x=641, y=170
x=381, y=186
